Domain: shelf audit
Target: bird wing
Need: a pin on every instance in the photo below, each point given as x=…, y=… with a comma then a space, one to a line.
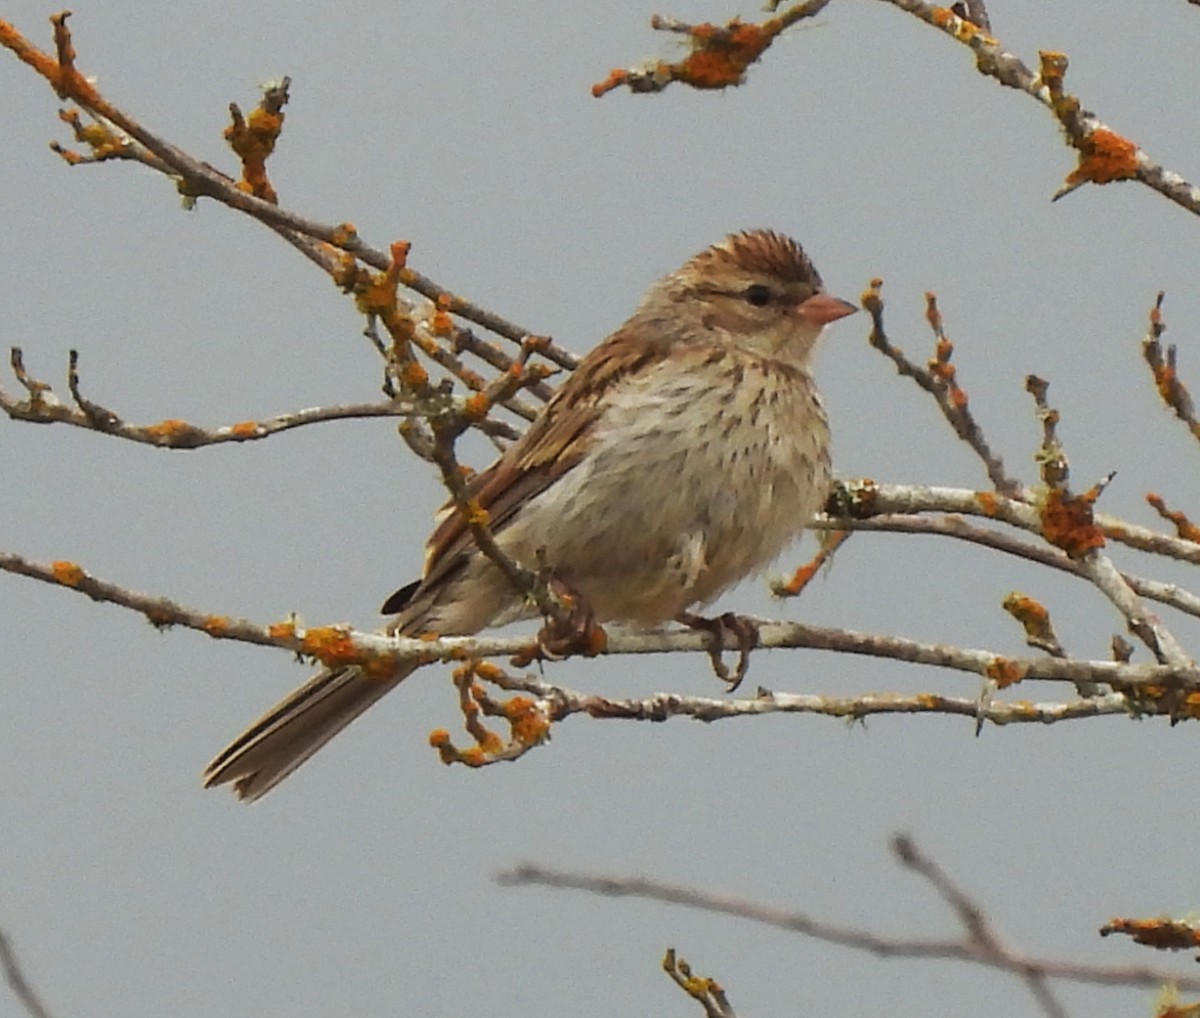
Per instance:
x=554, y=444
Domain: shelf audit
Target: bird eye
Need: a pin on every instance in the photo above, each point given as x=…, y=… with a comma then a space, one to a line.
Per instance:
x=758, y=295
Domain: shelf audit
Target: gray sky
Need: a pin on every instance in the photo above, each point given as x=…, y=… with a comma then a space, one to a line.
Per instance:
x=364, y=885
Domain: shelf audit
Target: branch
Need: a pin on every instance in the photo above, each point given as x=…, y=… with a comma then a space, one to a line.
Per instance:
x=338, y=646
x=1166, y=378
x=939, y=380
x=708, y=992
x=958, y=528
x=978, y=945
x=43, y=407
x=335, y=248
x=866, y=499
x=722, y=54
x=20, y=986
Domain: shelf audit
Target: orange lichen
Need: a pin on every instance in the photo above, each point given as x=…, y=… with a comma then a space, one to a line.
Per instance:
x=216, y=625
x=58, y=70
x=1104, y=157
x=414, y=375
x=476, y=406
x=1032, y=615
x=67, y=573
x=946, y=373
x=489, y=671
x=1027, y=610
x=169, y=430
x=345, y=234
x=1158, y=933
x=97, y=135
x=281, y=630
x=1184, y=527
x=159, y=617
x=399, y=250
x=245, y=429
x=1068, y=522
x=830, y=542
x=346, y=272
x=872, y=298
x=331, y=645
x=472, y=756
x=861, y=498
x=1053, y=68
x=476, y=514
x=441, y=324
x=616, y=78
x=253, y=140
x=1005, y=672
x=721, y=56
x=959, y=27
x=529, y=725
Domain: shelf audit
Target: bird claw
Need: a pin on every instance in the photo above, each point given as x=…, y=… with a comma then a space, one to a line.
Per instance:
x=743, y=629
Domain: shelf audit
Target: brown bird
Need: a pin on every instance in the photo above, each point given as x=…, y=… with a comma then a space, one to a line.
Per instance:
x=683, y=455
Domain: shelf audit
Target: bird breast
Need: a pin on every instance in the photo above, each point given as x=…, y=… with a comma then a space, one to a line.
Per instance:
x=694, y=479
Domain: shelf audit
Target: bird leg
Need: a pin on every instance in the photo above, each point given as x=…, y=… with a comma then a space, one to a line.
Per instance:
x=743, y=629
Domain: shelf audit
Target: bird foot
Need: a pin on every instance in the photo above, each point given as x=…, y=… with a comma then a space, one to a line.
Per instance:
x=743, y=629
x=576, y=631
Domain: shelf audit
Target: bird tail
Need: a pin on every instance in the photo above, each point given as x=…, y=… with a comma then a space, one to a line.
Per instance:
x=295, y=728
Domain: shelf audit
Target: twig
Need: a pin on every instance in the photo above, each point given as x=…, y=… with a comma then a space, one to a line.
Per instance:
x=708, y=992
x=868, y=499
x=968, y=948
x=121, y=136
x=721, y=55
x=1068, y=522
x=43, y=407
x=20, y=986
x=560, y=702
x=958, y=528
x=940, y=382
x=978, y=928
x=1166, y=376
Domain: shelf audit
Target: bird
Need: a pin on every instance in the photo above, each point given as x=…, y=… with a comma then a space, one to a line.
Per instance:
x=682, y=455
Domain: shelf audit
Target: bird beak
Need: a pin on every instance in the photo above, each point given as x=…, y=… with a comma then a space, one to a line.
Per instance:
x=823, y=308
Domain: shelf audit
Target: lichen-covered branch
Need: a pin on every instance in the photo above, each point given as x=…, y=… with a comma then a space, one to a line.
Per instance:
x=42, y=406
x=720, y=56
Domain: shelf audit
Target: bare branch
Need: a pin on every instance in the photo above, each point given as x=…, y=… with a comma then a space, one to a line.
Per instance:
x=975, y=947
x=976, y=925
x=20, y=986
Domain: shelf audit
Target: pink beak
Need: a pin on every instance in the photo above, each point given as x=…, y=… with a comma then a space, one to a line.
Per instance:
x=822, y=309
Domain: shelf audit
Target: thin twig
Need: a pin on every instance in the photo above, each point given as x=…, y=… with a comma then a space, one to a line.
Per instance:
x=46, y=408
x=856, y=938
x=20, y=986
x=941, y=385
x=960, y=529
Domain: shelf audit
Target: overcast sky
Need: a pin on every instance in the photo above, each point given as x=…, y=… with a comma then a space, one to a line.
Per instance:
x=364, y=885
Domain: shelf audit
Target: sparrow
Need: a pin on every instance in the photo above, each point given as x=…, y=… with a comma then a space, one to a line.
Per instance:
x=682, y=455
